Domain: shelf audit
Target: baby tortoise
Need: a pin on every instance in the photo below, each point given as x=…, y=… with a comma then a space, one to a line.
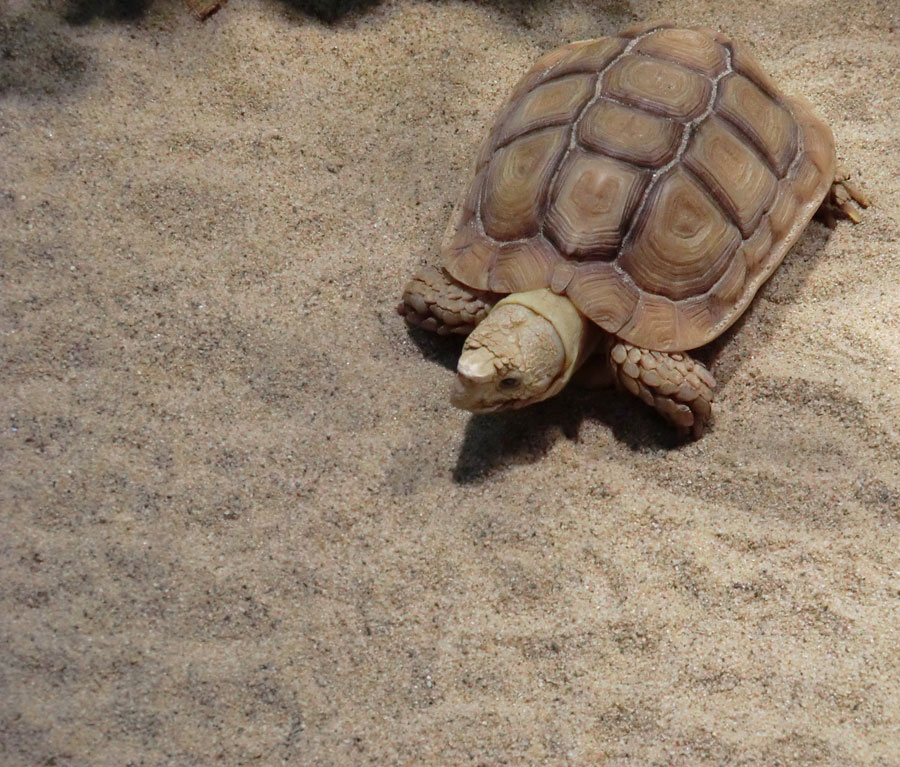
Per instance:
x=630, y=199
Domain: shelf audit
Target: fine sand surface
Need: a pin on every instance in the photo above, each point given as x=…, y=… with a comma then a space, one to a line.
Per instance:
x=241, y=523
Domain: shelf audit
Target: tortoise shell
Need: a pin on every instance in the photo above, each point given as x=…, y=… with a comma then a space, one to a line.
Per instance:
x=656, y=178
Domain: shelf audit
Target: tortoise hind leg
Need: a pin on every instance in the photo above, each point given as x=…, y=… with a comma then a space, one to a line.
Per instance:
x=679, y=388
x=434, y=301
x=840, y=199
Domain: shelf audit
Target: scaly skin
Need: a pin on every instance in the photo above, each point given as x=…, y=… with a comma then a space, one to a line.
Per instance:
x=679, y=388
x=434, y=301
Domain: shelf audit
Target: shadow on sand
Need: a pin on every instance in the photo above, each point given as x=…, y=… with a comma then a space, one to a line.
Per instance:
x=496, y=441
x=519, y=11
x=78, y=12
x=326, y=11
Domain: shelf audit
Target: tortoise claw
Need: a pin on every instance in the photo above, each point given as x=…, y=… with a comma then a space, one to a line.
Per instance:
x=844, y=198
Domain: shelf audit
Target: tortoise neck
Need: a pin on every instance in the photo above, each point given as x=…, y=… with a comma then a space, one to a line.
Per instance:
x=578, y=335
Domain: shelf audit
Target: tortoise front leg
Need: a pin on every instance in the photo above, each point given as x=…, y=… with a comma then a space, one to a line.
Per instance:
x=433, y=300
x=678, y=387
x=840, y=199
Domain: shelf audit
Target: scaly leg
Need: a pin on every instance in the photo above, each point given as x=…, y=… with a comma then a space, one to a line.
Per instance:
x=433, y=300
x=678, y=387
x=840, y=199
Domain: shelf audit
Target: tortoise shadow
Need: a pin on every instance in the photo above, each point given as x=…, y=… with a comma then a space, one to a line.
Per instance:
x=443, y=350
x=494, y=442
x=497, y=441
x=725, y=354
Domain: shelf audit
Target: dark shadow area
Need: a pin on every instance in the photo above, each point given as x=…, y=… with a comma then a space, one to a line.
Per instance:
x=329, y=11
x=494, y=441
x=520, y=12
x=79, y=12
x=37, y=58
x=631, y=422
x=723, y=355
x=444, y=350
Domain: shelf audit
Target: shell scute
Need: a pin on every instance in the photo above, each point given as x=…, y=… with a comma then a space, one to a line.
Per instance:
x=600, y=292
x=469, y=257
x=655, y=317
x=782, y=213
x=584, y=56
x=541, y=71
x=552, y=103
x=729, y=287
x=756, y=247
x=807, y=178
x=818, y=141
x=591, y=56
x=594, y=199
x=515, y=186
x=695, y=322
x=629, y=134
x=684, y=241
x=767, y=124
x=523, y=265
x=745, y=63
x=739, y=179
x=658, y=86
x=688, y=47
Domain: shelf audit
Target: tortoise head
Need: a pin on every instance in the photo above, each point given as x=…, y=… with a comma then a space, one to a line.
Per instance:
x=523, y=352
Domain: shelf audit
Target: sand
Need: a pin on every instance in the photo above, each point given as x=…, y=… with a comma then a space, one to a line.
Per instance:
x=242, y=523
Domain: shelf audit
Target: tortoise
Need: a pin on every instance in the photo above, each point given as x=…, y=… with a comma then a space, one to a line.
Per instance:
x=631, y=197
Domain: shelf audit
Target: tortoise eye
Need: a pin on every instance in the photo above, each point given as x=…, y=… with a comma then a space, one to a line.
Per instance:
x=510, y=383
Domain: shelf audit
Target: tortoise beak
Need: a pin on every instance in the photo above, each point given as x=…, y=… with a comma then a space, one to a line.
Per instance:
x=464, y=394
x=461, y=395
x=474, y=376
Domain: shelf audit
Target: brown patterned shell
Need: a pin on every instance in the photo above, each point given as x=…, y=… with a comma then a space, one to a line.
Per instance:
x=656, y=178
